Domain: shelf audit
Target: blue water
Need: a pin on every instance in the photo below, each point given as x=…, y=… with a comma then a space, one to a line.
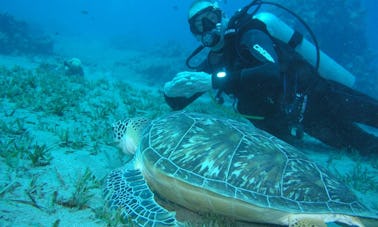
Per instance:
x=371, y=25
x=146, y=23
x=163, y=19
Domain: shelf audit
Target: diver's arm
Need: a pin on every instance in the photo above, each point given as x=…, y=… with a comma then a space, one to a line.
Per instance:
x=179, y=103
x=257, y=46
x=266, y=72
x=246, y=77
x=186, y=87
x=257, y=49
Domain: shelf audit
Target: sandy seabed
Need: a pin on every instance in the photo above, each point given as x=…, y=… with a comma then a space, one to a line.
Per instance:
x=56, y=137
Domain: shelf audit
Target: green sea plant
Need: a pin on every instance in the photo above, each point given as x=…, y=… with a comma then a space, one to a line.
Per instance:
x=14, y=149
x=43, y=90
x=95, y=149
x=59, y=177
x=103, y=110
x=33, y=192
x=15, y=127
x=82, y=193
x=100, y=134
x=56, y=223
x=57, y=106
x=111, y=217
x=9, y=152
x=11, y=113
x=7, y=187
x=52, y=206
x=10, y=185
x=39, y=155
x=71, y=139
x=360, y=179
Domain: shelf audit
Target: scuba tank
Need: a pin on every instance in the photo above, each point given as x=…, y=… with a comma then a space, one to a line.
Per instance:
x=323, y=64
x=327, y=68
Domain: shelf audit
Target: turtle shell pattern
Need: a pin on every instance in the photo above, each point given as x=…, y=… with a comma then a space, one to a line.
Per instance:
x=238, y=160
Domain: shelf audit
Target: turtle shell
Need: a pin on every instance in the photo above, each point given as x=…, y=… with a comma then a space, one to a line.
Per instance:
x=238, y=162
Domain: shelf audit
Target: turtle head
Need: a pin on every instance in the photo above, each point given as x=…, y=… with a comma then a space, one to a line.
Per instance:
x=128, y=133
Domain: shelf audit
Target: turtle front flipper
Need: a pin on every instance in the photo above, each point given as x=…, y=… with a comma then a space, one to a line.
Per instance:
x=126, y=190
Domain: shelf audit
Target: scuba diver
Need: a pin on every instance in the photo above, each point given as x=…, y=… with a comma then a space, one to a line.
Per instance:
x=280, y=81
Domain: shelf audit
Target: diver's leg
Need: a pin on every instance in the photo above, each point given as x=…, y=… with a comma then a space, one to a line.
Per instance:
x=359, y=139
x=353, y=106
x=344, y=135
x=348, y=107
x=332, y=112
x=325, y=130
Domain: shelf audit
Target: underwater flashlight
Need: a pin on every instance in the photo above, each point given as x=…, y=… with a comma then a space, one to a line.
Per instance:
x=221, y=74
x=219, y=79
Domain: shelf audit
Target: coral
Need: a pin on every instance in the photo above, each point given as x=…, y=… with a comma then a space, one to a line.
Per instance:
x=73, y=66
x=16, y=37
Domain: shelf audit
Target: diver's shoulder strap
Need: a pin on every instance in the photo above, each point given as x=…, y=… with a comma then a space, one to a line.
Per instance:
x=295, y=39
x=244, y=23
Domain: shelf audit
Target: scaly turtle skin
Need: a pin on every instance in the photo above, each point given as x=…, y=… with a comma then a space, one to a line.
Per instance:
x=210, y=164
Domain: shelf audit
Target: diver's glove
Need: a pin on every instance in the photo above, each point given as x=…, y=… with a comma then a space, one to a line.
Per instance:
x=186, y=84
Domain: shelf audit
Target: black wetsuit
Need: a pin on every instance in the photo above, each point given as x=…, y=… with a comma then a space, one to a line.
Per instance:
x=271, y=80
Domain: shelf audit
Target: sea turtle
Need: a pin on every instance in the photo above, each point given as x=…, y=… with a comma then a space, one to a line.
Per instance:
x=218, y=165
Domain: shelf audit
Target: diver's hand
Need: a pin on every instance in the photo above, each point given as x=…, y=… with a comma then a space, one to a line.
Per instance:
x=186, y=84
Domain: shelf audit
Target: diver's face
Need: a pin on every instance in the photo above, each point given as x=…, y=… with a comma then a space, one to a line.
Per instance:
x=205, y=20
x=206, y=25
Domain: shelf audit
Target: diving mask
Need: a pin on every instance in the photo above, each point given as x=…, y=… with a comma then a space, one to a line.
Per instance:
x=205, y=20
